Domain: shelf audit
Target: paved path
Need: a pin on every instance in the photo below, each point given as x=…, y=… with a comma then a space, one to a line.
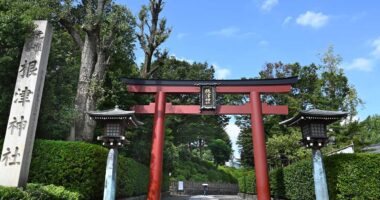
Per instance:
x=202, y=197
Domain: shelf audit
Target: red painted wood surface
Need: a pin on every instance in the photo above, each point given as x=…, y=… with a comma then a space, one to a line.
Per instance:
x=219, y=89
x=220, y=110
x=259, y=149
x=156, y=158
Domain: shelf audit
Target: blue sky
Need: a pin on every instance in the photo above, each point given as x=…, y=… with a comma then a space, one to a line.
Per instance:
x=239, y=37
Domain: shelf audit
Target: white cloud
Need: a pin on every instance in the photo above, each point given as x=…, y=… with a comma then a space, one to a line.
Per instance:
x=263, y=43
x=221, y=73
x=312, y=19
x=231, y=32
x=181, y=35
x=367, y=63
x=268, y=5
x=226, y=32
x=376, y=51
x=182, y=58
x=287, y=20
x=233, y=132
x=362, y=64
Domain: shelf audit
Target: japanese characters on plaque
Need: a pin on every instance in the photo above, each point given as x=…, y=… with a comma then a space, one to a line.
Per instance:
x=18, y=144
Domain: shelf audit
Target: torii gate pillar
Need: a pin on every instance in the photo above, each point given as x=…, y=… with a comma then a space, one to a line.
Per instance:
x=158, y=141
x=259, y=150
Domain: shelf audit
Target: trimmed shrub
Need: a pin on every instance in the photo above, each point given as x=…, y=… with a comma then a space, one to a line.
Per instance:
x=75, y=165
x=298, y=179
x=277, y=185
x=349, y=176
x=80, y=167
x=195, y=169
x=353, y=176
x=8, y=193
x=38, y=192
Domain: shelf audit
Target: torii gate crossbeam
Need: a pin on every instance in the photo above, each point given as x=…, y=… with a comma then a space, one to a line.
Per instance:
x=255, y=108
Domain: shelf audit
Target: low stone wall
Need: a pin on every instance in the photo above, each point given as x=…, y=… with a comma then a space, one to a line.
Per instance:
x=196, y=188
x=144, y=197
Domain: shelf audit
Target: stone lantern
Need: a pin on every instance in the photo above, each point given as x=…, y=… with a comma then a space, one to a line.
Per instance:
x=314, y=135
x=114, y=121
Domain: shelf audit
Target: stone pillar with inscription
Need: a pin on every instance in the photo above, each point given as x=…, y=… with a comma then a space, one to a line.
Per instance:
x=18, y=144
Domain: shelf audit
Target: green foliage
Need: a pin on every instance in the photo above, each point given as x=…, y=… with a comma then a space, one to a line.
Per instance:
x=220, y=150
x=349, y=176
x=10, y=193
x=324, y=86
x=298, y=179
x=277, y=184
x=38, y=192
x=74, y=165
x=132, y=179
x=193, y=168
x=283, y=150
x=367, y=132
x=80, y=167
x=57, y=105
x=15, y=26
x=353, y=176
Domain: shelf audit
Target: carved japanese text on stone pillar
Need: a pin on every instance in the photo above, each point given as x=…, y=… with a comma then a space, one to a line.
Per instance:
x=18, y=144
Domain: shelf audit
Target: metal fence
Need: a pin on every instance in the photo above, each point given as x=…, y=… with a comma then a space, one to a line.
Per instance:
x=195, y=188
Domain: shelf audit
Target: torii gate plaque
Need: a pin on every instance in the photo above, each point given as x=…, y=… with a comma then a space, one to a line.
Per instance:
x=208, y=90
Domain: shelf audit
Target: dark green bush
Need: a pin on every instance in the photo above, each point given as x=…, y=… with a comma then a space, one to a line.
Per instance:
x=199, y=170
x=353, y=176
x=277, y=185
x=75, y=165
x=38, y=192
x=80, y=167
x=8, y=193
x=349, y=176
x=298, y=179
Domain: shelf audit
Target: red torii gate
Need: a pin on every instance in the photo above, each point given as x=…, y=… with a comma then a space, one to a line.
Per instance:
x=255, y=108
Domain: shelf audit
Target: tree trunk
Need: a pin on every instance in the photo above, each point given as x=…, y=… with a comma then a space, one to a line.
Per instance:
x=83, y=126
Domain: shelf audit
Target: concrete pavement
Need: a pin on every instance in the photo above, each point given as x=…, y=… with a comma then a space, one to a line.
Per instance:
x=204, y=197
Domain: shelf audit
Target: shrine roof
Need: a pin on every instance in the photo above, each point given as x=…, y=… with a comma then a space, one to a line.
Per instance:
x=237, y=82
x=315, y=114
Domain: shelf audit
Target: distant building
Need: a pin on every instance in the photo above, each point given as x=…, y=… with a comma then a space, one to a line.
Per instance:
x=346, y=149
x=374, y=148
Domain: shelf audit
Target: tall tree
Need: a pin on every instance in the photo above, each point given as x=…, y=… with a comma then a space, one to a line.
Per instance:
x=15, y=25
x=153, y=32
x=221, y=151
x=323, y=86
x=98, y=28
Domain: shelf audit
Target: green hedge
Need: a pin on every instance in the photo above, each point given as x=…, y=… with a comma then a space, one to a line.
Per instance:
x=80, y=167
x=201, y=171
x=37, y=191
x=298, y=181
x=353, y=176
x=349, y=176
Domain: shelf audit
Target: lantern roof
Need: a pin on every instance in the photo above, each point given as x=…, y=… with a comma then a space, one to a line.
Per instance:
x=324, y=116
x=115, y=114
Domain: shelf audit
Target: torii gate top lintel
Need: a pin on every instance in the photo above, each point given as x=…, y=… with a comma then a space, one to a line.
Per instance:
x=279, y=85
